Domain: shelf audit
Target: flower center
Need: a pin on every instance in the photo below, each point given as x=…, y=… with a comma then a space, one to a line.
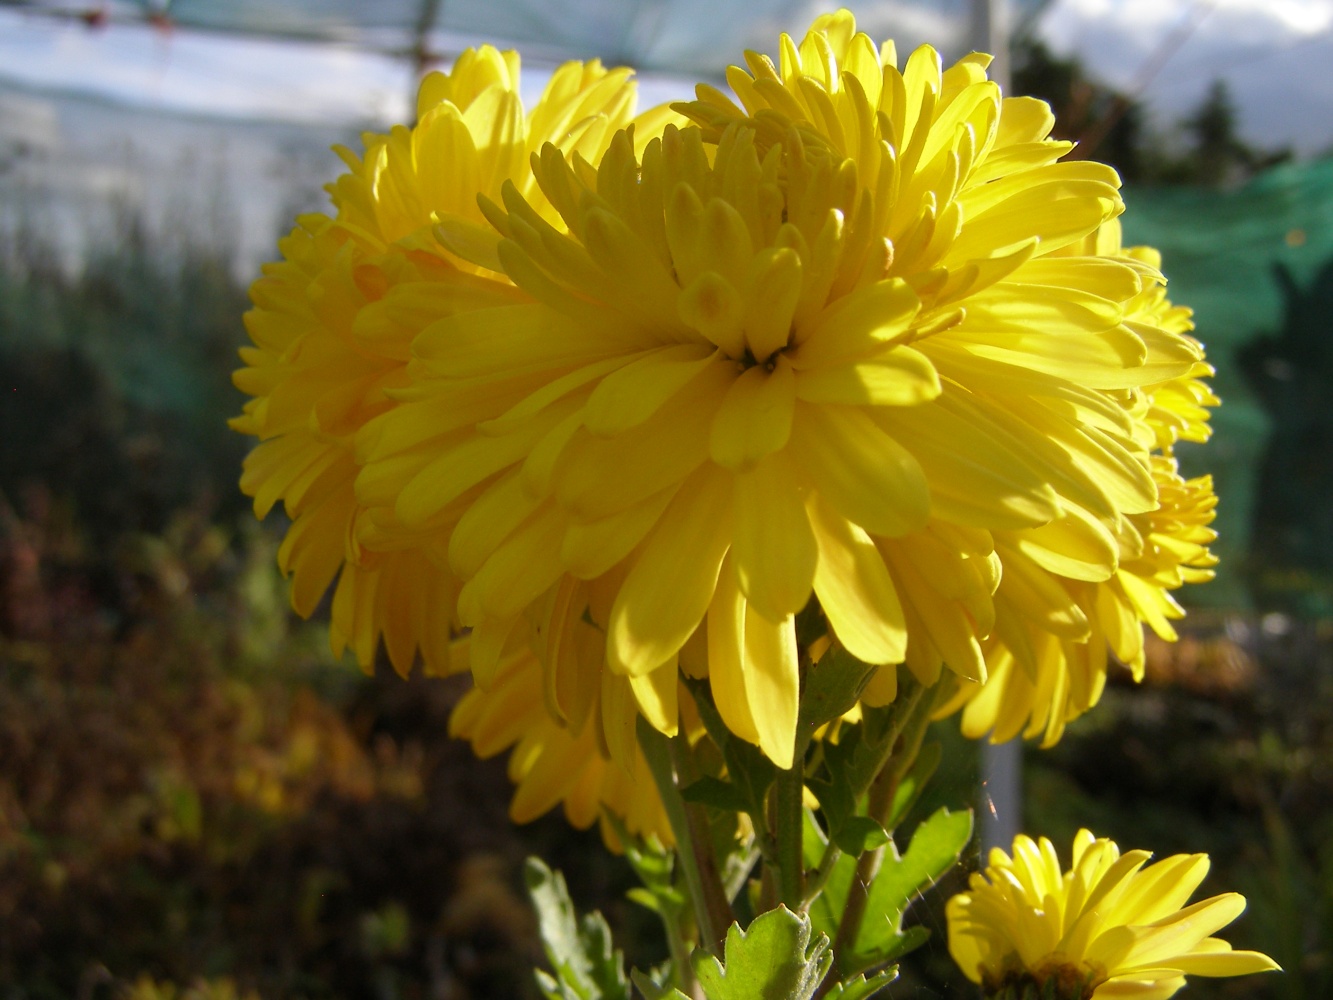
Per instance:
x=747, y=360
x=1054, y=979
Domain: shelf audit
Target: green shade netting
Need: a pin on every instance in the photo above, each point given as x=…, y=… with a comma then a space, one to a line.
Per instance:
x=1221, y=251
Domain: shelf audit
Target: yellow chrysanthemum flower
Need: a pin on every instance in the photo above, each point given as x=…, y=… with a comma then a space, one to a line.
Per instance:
x=1108, y=927
x=1058, y=606
x=552, y=763
x=1177, y=409
x=829, y=354
x=319, y=369
x=1047, y=670
x=333, y=323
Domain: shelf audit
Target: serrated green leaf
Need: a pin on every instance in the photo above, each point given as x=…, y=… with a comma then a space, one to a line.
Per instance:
x=908, y=941
x=861, y=988
x=775, y=960
x=751, y=772
x=859, y=834
x=831, y=687
x=584, y=964
x=936, y=845
x=836, y=793
x=652, y=991
x=717, y=793
x=850, y=765
x=826, y=910
x=914, y=781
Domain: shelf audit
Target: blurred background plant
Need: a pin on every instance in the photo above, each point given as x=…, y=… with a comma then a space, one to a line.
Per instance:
x=190, y=785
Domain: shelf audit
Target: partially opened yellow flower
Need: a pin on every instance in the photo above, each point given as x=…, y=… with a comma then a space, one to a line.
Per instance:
x=333, y=323
x=1110, y=926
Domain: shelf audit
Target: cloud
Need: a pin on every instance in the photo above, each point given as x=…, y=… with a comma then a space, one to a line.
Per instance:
x=204, y=73
x=1272, y=54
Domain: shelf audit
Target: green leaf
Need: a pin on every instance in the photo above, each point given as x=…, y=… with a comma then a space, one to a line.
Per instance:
x=585, y=965
x=655, y=866
x=831, y=687
x=859, y=834
x=860, y=988
x=774, y=960
x=913, y=782
x=652, y=991
x=644, y=898
x=850, y=764
x=934, y=850
x=909, y=940
x=652, y=862
x=717, y=793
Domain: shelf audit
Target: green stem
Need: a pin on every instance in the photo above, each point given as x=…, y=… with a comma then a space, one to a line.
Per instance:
x=670, y=766
x=910, y=695
x=858, y=894
x=818, y=878
x=884, y=789
x=716, y=898
x=788, y=824
x=768, y=887
x=906, y=729
x=764, y=837
x=682, y=968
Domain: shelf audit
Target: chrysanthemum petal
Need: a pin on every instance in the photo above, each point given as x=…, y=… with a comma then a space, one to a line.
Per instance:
x=655, y=694
x=866, y=475
x=755, y=417
x=899, y=376
x=773, y=545
x=668, y=590
x=591, y=548
x=855, y=589
x=726, y=654
x=636, y=391
x=1224, y=963
x=772, y=684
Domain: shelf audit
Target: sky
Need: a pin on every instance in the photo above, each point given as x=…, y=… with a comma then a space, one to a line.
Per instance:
x=1274, y=54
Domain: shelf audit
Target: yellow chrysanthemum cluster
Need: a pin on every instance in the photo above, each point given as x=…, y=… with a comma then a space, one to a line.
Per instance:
x=621, y=398
x=1108, y=927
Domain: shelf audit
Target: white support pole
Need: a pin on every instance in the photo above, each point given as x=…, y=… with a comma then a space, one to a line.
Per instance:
x=1001, y=794
x=988, y=31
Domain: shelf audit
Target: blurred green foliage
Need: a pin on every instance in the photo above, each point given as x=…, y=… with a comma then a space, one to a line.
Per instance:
x=196, y=801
